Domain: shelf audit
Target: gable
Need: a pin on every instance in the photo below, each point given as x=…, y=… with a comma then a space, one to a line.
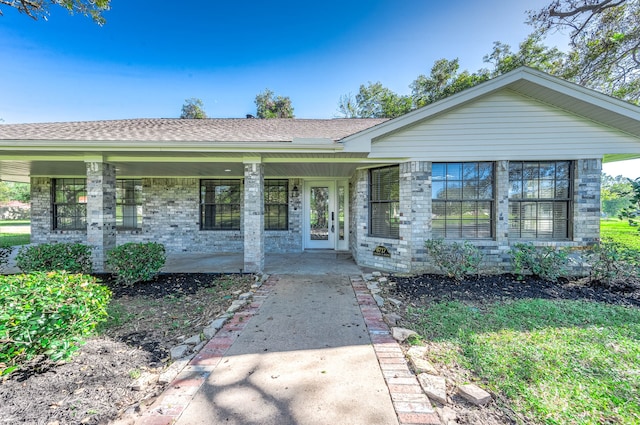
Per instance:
x=503, y=125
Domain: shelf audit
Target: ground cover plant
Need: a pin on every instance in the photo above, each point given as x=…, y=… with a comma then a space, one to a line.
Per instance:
x=47, y=314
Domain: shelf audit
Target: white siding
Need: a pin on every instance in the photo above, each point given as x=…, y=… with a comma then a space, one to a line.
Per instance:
x=501, y=126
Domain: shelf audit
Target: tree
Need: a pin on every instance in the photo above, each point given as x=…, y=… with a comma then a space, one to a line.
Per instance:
x=532, y=53
x=443, y=81
x=270, y=106
x=632, y=211
x=12, y=191
x=193, y=109
x=614, y=194
x=604, y=40
x=374, y=101
x=37, y=9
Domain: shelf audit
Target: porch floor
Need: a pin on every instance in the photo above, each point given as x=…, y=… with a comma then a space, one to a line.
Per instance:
x=307, y=262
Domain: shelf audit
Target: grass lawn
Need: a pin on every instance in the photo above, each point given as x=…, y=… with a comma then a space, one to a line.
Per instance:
x=14, y=239
x=15, y=222
x=557, y=362
x=621, y=232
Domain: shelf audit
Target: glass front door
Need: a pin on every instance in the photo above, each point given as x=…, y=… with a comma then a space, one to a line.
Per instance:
x=320, y=215
x=326, y=206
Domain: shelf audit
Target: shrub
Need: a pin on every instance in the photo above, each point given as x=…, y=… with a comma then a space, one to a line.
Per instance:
x=47, y=313
x=71, y=257
x=5, y=253
x=136, y=262
x=456, y=260
x=546, y=262
x=611, y=261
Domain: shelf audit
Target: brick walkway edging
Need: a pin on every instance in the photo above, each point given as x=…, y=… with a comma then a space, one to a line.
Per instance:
x=179, y=393
x=412, y=406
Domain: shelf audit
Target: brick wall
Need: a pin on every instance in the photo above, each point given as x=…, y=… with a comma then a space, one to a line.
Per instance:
x=407, y=252
x=171, y=216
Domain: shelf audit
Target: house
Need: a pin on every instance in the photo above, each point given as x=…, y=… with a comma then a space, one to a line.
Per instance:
x=517, y=158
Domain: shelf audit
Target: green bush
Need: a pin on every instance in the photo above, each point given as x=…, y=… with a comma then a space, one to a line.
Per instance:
x=70, y=257
x=546, y=262
x=455, y=259
x=136, y=262
x=612, y=262
x=47, y=313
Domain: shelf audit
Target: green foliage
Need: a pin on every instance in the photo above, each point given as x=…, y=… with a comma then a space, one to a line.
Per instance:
x=632, y=211
x=136, y=262
x=37, y=9
x=456, y=260
x=374, y=101
x=615, y=194
x=193, y=109
x=48, y=314
x=604, y=41
x=612, y=262
x=546, y=262
x=443, y=81
x=604, y=55
x=71, y=257
x=270, y=106
x=12, y=191
x=556, y=362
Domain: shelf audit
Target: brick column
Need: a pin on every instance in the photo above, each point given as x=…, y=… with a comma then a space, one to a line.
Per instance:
x=586, y=198
x=415, y=208
x=253, y=216
x=501, y=186
x=41, y=211
x=101, y=211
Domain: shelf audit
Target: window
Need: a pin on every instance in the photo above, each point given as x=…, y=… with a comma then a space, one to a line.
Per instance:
x=128, y=204
x=276, y=204
x=384, y=202
x=70, y=204
x=539, y=199
x=462, y=200
x=220, y=204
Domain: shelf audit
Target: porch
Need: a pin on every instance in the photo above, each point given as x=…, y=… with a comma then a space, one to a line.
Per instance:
x=307, y=262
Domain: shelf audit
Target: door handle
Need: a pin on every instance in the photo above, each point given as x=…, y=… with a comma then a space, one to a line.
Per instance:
x=332, y=216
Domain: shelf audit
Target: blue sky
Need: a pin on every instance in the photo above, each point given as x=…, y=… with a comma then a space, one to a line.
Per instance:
x=151, y=55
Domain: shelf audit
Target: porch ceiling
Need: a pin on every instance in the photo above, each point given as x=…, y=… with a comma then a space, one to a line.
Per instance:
x=19, y=168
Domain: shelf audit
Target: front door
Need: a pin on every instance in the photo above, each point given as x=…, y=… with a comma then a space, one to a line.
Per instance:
x=320, y=220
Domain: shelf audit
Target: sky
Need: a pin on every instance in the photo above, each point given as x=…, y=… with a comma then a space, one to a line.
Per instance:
x=151, y=56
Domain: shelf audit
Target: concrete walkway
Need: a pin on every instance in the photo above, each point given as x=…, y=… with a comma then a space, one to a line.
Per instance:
x=304, y=358
x=310, y=349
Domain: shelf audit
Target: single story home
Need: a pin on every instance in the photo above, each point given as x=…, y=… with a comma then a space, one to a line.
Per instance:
x=514, y=159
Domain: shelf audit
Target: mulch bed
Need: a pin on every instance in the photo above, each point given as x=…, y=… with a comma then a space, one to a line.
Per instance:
x=430, y=288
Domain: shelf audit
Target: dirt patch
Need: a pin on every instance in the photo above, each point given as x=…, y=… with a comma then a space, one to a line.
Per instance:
x=117, y=371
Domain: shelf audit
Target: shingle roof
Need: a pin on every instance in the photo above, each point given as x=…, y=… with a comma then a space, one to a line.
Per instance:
x=168, y=129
